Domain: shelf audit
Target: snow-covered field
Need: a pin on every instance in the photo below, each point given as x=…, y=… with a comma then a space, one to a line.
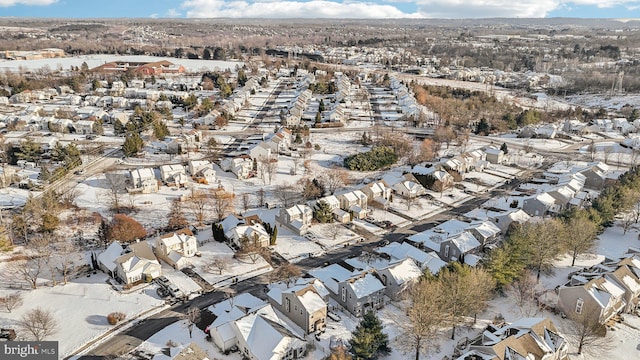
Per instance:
x=80, y=308
x=191, y=65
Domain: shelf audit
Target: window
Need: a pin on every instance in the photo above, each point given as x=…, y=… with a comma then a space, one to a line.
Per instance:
x=446, y=251
x=344, y=294
x=579, y=305
x=287, y=304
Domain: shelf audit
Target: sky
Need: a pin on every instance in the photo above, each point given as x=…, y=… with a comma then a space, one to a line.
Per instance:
x=448, y=9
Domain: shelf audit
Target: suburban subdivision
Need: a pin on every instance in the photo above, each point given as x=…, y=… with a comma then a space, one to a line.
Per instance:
x=180, y=189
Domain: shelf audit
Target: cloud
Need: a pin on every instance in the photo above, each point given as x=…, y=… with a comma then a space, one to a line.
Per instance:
x=486, y=8
x=173, y=13
x=7, y=3
x=388, y=8
x=154, y=16
x=291, y=9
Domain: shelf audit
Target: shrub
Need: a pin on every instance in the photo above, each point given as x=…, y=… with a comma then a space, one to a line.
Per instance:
x=375, y=159
x=115, y=317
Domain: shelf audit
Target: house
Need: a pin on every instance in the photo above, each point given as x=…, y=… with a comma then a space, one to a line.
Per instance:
x=409, y=189
x=425, y=260
x=263, y=335
x=174, y=174
x=137, y=264
x=528, y=338
x=539, y=204
x=175, y=248
x=252, y=232
x=451, y=240
x=107, y=259
x=398, y=276
x=339, y=215
x=485, y=231
x=202, y=171
x=226, y=312
x=144, y=180
x=355, y=202
x=505, y=219
x=377, y=191
x=242, y=167
x=356, y=291
x=602, y=296
x=494, y=155
x=595, y=175
x=302, y=304
x=297, y=218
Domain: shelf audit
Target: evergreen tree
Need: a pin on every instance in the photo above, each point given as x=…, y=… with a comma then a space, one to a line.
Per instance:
x=29, y=150
x=274, y=236
x=132, y=144
x=103, y=230
x=318, y=118
x=504, y=148
x=323, y=212
x=483, y=127
x=367, y=340
x=321, y=106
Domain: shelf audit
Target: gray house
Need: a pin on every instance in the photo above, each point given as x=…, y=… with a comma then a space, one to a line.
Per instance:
x=356, y=291
x=302, y=303
x=398, y=276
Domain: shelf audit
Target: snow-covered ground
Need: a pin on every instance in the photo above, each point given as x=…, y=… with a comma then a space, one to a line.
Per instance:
x=422, y=208
x=191, y=65
x=80, y=308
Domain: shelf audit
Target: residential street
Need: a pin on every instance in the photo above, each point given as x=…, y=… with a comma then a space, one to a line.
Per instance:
x=135, y=335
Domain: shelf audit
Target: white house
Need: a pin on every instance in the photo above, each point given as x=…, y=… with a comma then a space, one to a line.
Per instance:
x=174, y=173
x=144, y=179
x=176, y=248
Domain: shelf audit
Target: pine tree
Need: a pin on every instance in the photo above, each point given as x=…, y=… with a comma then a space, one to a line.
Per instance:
x=368, y=341
x=274, y=236
x=504, y=148
x=132, y=144
x=323, y=212
x=103, y=230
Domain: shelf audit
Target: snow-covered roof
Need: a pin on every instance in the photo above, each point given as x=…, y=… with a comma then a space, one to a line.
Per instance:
x=466, y=242
x=332, y=275
x=266, y=335
x=312, y=301
x=109, y=256
x=366, y=286
x=404, y=271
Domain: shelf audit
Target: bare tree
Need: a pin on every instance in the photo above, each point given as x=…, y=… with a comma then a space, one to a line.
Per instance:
x=198, y=203
x=217, y=263
x=411, y=201
x=116, y=183
x=246, y=204
x=29, y=269
x=586, y=330
x=11, y=301
x=287, y=273
x=592, y=150
x=334, y=178
x=230, y=295
x=606, y=153
x=524, y=294
x=439, y=186
x=285, y=193
x=334, y=230
x=251, y=249
x=260, y=194
x=627, y=221
x=38, y=323
x=193, y=317
x=66, y=256
x=268, y=167
x=222, y=203
x=426, y=309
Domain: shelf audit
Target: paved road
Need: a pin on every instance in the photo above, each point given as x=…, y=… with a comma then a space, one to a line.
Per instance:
x=128, y=340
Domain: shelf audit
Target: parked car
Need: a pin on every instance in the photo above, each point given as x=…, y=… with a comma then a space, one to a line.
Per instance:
x=333, y=316
x=310, y=236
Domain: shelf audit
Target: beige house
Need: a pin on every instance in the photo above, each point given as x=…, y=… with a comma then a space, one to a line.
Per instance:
x=175, y=248
x=138, y=263
x=355, y=202
x=297, y=218
x=301, y=303
x=529, y=338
